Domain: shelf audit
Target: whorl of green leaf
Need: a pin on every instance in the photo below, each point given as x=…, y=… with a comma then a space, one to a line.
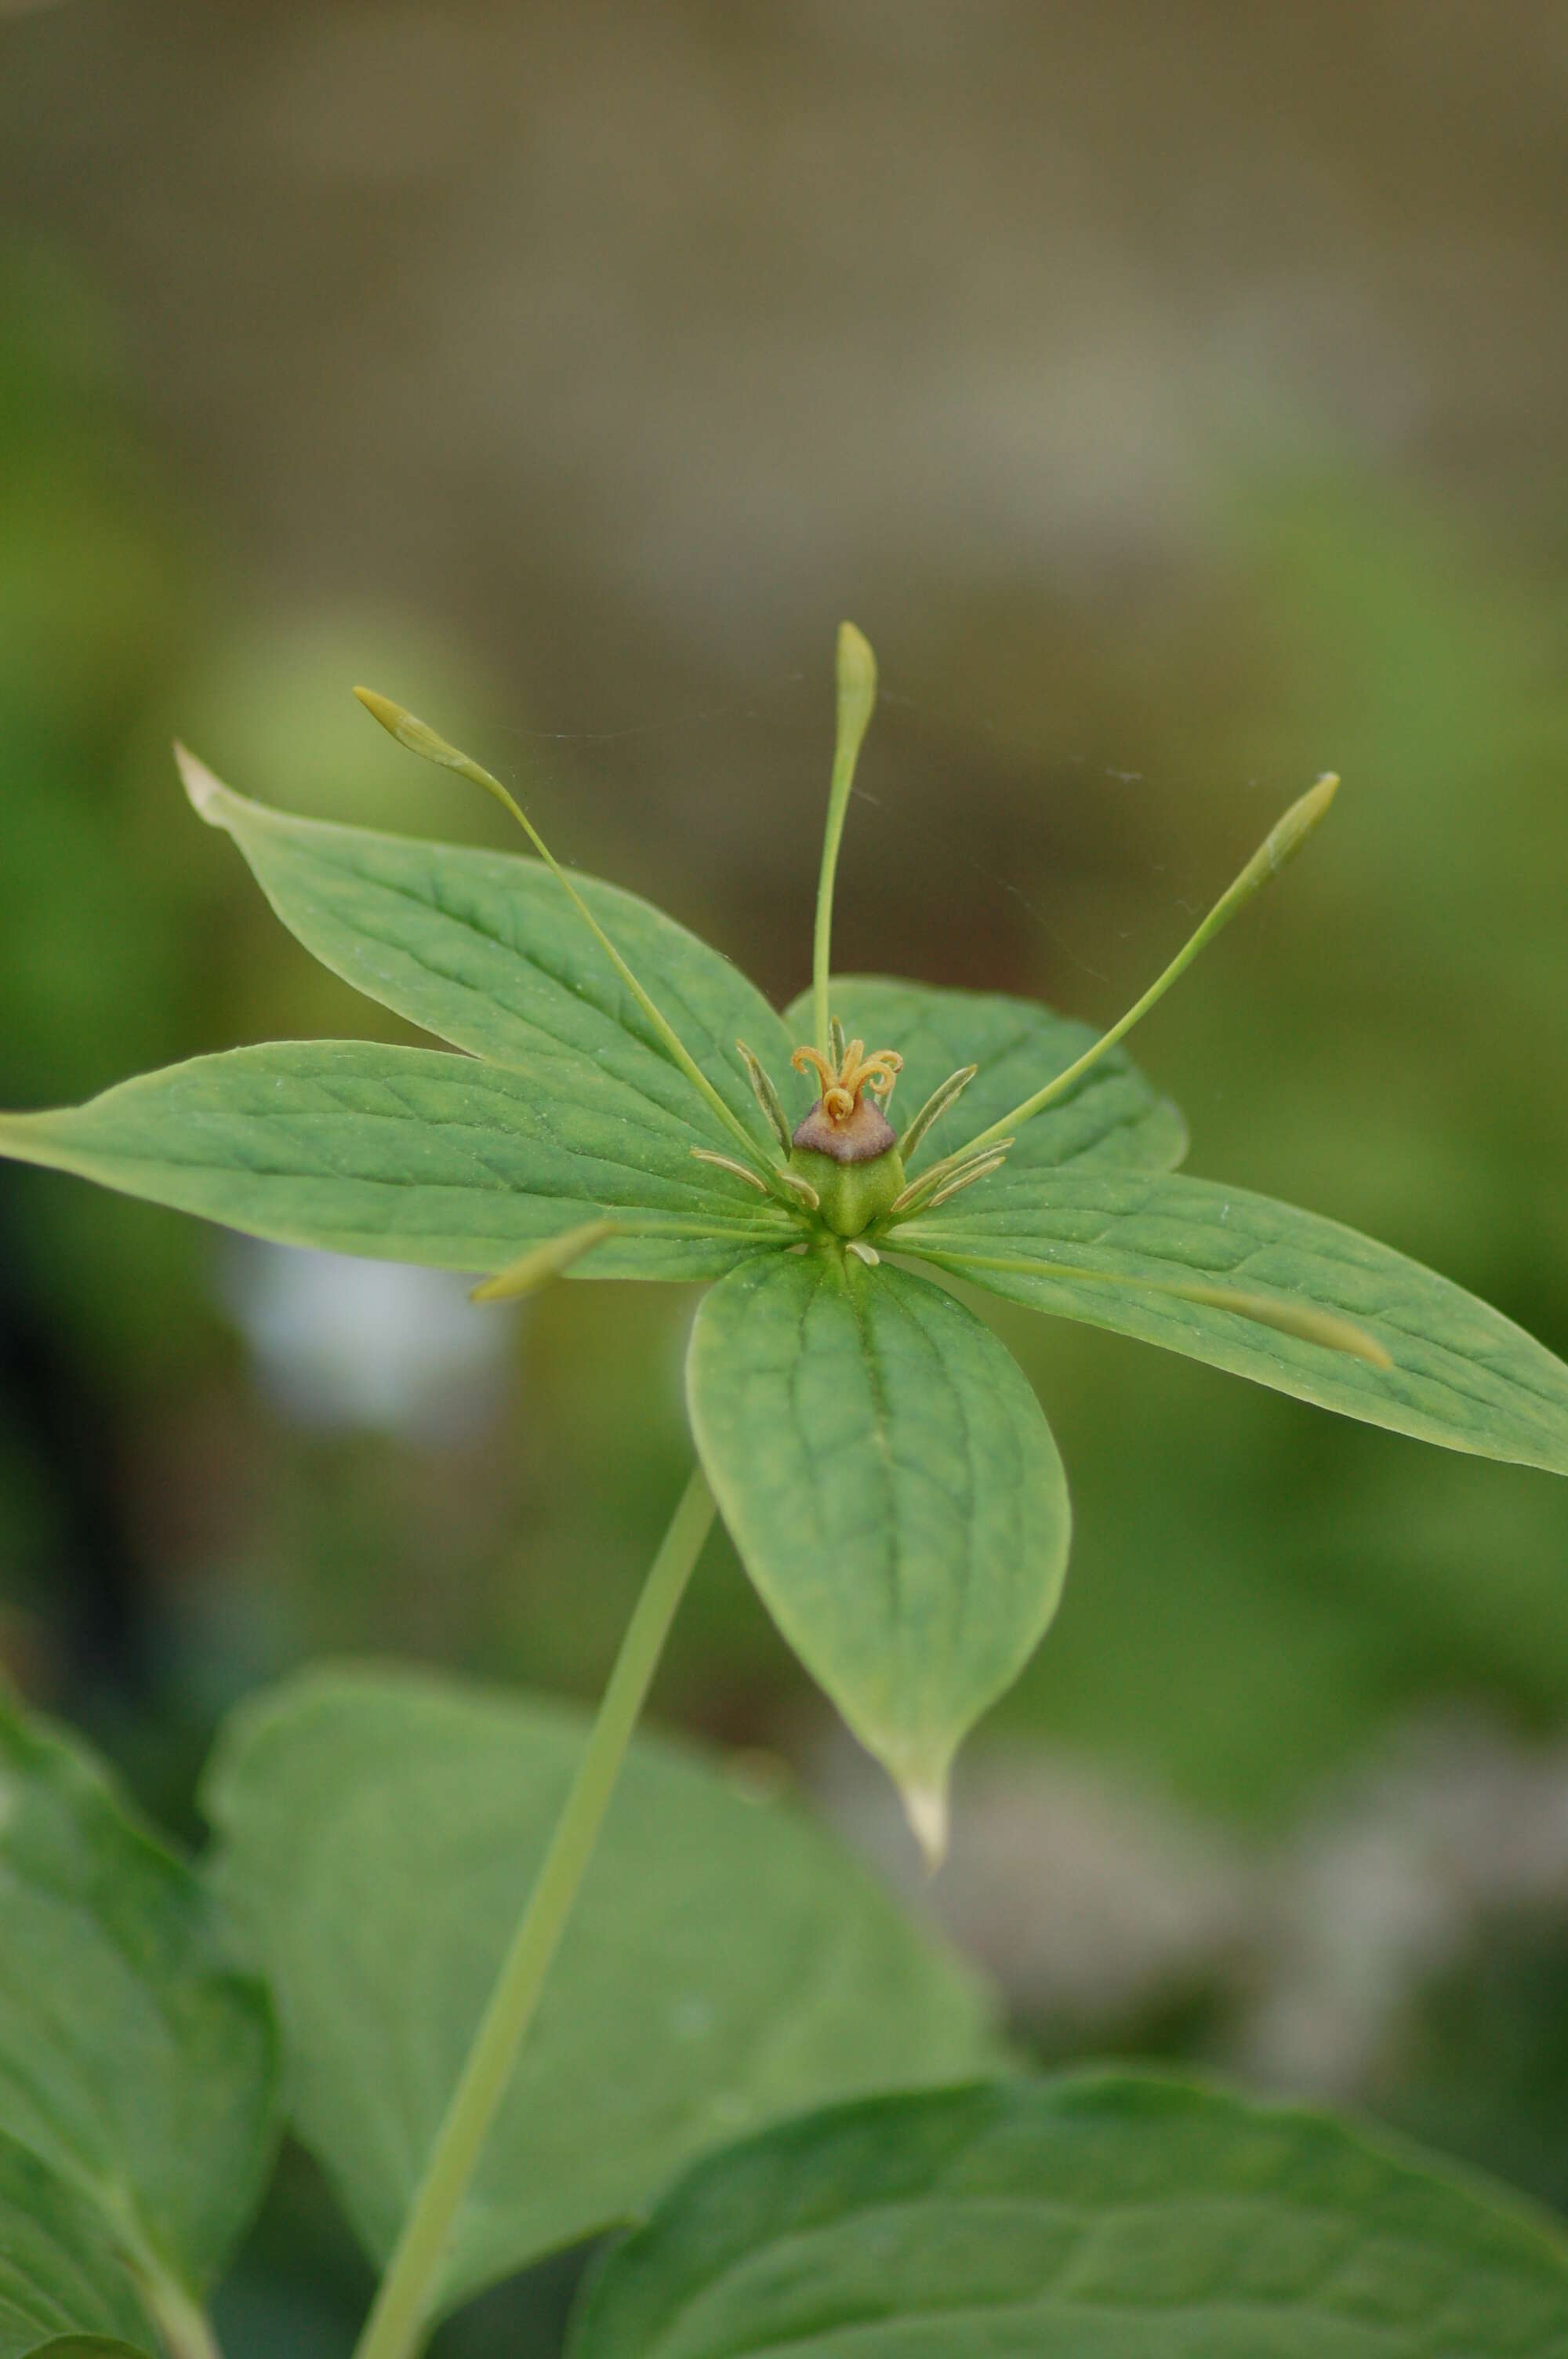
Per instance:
x=894, y=1492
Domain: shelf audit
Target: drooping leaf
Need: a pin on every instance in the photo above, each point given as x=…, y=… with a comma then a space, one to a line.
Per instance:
x=64, y=2287
x=1462, y=1374
x=136, y=2062
x=377, y=1835
x=1093, y=2217
x=485, y=949
x=1112, y=1118
x=894, y=1490
x=406, y=1154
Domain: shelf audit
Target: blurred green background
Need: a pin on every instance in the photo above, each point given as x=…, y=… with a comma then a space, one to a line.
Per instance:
x=1177, y=399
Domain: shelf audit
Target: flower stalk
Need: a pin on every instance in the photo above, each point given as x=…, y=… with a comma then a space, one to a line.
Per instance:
x=402, y=2314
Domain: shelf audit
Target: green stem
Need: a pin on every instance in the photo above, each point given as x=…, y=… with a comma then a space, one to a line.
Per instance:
x=400, y=2317
x=181, y=2321
x=857, y=701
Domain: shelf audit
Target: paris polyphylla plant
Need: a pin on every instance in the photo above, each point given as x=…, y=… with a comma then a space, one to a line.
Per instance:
x=629, y=1106
x=885, y=1472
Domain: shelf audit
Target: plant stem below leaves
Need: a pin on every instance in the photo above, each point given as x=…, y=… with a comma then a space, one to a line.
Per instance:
x=400, y=2317
x=181, y=2320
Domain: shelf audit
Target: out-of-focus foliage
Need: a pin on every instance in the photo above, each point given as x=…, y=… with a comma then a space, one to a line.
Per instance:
x=774, y=1973
x=136, y=2065
x=1068, y=2212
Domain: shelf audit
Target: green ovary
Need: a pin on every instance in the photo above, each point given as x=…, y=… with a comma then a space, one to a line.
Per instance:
x=853, y=1195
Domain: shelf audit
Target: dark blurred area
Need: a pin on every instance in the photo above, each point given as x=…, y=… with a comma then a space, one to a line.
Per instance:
x=1177, y=399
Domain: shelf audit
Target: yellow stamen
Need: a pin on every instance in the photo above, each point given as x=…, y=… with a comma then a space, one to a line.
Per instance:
x=843, y=1084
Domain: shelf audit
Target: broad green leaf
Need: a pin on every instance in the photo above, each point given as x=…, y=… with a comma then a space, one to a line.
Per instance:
x=136, y=2062
x=64, y=2287
x=485, y=949
x=1093, y=2217
x=1112, y=1118
x=894, y=1490
x=87, y=2346
x=377, y=1835
x=408, y=1154
x=1462, y=1374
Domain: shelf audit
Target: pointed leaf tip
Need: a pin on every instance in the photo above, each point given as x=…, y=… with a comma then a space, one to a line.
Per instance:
x=926, y=1809
x=205, y=791
x=893, y=1489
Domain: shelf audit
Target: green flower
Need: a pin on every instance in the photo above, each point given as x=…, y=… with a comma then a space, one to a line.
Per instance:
x=627, y=1106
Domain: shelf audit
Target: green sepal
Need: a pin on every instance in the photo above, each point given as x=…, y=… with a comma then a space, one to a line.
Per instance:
x=1111, y=1249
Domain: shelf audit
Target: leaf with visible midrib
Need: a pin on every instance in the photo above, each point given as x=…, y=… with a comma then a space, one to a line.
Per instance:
x=137, y=2063
x=377, y=1834
x=1462, y=1376
x=63, y=2286
x=407, y=1154
x=1113, y=1117
x=894, y=1492
x=1098, y=2216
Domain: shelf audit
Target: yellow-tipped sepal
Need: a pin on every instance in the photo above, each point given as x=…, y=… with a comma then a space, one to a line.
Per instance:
x=410, y=731
x=856, y=670
x=1281, y=843
x=541, y=1263
x=1286, y=837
